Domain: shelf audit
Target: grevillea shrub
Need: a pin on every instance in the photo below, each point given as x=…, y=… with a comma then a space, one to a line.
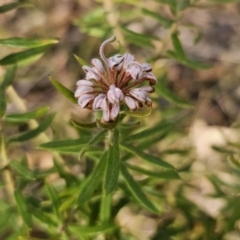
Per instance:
x=115, y=148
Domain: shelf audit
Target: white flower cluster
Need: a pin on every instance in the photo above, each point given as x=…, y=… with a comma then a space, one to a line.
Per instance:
x=114, y=80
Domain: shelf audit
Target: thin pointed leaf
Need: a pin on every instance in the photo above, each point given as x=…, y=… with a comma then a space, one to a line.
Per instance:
x=91, y=142
x=147, y=157
x=234, y=161
x=112, y=166
x=26, y=55
x=22, y=208
x=11, y=6
x=83, y=125
x=27, y=42
x=9, y=77
x=35, y=132
x=91, y=183
x=80, y=60
x=69, y=145
x=52, y=193
x=136, y=190
x=167, y=23
x=170, y=96
x=44, y=217
x=142, y=40
x=22, y=170
x=91, y=230
x=144, y=112
x=3, y=103
x=162, y=126
x=196, y=65
x=178, y=47
x=24, y=117
x=65, y=91
x=168, y=174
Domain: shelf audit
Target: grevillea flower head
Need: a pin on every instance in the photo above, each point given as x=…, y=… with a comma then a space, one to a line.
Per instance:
x=112, y=81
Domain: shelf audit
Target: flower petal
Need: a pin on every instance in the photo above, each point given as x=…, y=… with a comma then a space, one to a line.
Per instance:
x=127, y=59
x=82, y=90
x=151, y=77
x=138, y=94
x=97, y=103
x=91, y=73
x=130, y=103
x=98, y=65
x=84, y=100
x=115, y=94
x=115, y=110
x=148, y=102
x=149, y=89
x=135, y=70
x=116, y=61
x=146, y=67
x=84, y=82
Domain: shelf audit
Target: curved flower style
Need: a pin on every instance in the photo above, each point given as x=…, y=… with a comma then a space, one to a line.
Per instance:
x=115, y=80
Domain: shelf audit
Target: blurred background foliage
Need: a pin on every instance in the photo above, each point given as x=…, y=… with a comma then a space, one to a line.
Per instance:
x=194, y=48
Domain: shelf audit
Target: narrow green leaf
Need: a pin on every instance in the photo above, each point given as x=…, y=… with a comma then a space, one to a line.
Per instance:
x=112, y=166
x=156, y=138
x=3, y=103
x=65, y=91
x=223, y=150
x=171, y=3
x=53, y=195
x=83, y=125
x=92, y=230
x=9, y=77
x=24, y=117
x=27, y=42
x=44, y=217
x=235, y=161
x=167, y=23
x=80, y=60
x=178, y=47
x=183, y=4
x=11, y=6
x=105, y=208
x=65, y=145
x=170, y=96
x=147, y=157
x=144, y=112
x=22, y=170
x=5, y=218
x=91, y=183
x=22, y=208
x=139, y=39
x=15, y=58
x=136, y=190
x=149, y=132
x=196, y=65
x=168, y=174
x=92, y=141
x=35, y=132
